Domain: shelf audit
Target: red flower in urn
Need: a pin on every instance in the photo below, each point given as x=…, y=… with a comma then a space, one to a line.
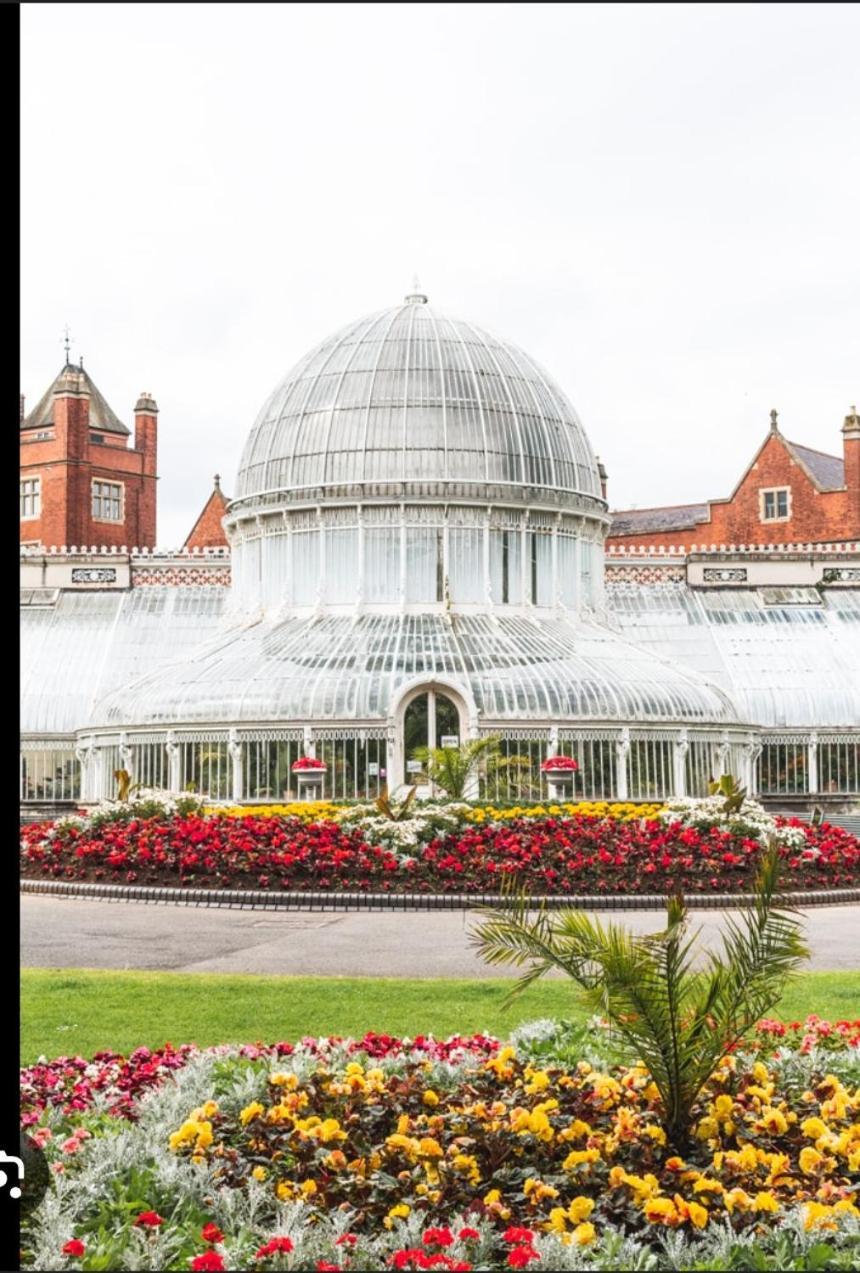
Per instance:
x=559, y=764
x=305, y=763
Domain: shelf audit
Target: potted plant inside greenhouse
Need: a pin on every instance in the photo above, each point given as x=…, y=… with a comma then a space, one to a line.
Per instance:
x=559, y=771
x=310, y=773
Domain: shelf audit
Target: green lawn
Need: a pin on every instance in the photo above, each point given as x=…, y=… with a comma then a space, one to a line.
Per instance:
x=72, y=1011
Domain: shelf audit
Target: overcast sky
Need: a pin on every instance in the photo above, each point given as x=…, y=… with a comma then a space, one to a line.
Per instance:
x=659, y=203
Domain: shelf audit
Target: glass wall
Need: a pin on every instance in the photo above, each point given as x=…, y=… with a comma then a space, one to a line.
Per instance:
x=49, y=775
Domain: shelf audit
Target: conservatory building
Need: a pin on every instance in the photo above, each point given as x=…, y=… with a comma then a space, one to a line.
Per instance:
x=416, y=557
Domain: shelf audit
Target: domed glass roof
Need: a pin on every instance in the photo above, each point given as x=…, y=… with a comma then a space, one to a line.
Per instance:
x=410, y=397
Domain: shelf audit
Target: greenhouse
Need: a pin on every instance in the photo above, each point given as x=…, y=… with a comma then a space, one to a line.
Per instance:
x=416, y=546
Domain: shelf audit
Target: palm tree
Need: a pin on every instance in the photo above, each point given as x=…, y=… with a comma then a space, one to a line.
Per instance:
x=678, y=1019
x=451, y=768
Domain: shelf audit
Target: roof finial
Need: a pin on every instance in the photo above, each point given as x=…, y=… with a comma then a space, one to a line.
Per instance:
x=217, y=481
x=82, y=362
x=416, y=296
x=67, y=345
x=774, y=427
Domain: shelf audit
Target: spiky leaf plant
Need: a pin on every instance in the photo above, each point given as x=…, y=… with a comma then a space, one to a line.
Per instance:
x=677, y=1016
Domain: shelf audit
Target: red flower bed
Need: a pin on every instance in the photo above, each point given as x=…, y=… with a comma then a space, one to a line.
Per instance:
x=72, y=1084
x=555, y=855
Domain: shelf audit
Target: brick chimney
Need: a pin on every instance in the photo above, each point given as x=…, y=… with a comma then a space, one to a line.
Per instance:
x=851, y=454
x=146, y=441
x=72, y=430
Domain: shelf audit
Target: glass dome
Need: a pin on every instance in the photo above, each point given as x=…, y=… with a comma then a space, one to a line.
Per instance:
x=412, y=399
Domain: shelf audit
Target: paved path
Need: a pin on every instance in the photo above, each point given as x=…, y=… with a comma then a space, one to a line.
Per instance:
x=67, y=933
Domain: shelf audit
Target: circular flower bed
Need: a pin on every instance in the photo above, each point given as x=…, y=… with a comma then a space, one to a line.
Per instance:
x=459, y=1155
x=442, y=850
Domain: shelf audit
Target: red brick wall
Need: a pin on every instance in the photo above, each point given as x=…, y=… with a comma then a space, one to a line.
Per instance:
x=67, y=465
x=208, y=531
x=815, y=516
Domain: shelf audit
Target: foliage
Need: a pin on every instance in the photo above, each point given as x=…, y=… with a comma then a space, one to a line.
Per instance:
x=679, y=1019
x=381, y=1153
x=454, y=768
x=389, y=808
x=734, y=795
x=438, y=848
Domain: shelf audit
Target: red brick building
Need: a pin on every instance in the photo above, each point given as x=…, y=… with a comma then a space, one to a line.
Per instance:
x=208, y=531
x=81, y=484
x=788, y=494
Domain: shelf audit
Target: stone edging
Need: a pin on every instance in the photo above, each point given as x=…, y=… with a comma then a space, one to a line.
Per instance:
x=258, y=899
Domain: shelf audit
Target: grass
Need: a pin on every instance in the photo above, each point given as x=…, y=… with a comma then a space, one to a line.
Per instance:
x=75, y=1011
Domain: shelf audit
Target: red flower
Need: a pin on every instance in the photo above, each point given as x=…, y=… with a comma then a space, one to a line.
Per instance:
x=275, y=1246
x=349, y=1238
x=209, y=1262
x=466, y=1235
x=149, y=1219
x=559, y=762
x=438, y=1237
x=520, y=1256
x=517, y=1235
x=74, y=1247
x=323, y=1266
x=211, y=1233
x=307, y=762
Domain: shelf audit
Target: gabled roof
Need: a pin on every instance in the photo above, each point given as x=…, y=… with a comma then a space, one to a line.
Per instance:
x=648, y=521
x=826, y=471
x=207, y=531
x=102, y=417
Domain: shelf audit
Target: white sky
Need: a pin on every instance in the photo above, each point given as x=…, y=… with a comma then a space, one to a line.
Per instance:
x=659, y=203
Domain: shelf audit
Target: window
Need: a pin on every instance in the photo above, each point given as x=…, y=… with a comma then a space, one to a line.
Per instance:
x=97, y=437
x=776, y=504
x=30, y=489
x=107, y=501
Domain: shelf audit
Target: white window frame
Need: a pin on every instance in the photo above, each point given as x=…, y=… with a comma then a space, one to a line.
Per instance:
x=34, y=497
x=120, y=486
x=775, y=491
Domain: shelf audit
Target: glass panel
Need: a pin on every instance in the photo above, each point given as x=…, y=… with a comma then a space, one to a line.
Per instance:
x=50, y=775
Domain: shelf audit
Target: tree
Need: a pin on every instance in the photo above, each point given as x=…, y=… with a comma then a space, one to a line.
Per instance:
x=451, y=768
x=678, y=1019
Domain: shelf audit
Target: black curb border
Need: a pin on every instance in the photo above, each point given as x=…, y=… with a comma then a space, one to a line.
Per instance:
x=264, y=900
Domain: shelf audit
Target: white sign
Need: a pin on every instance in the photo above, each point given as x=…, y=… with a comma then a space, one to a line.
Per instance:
x=450, y=740
x=373, y=768
x=413, y=766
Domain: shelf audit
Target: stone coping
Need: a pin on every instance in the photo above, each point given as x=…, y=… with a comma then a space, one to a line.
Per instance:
x=265, y=900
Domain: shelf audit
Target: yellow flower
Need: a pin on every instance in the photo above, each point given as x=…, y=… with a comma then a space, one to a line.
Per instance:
x=558, y=1220
x=536, y=1190
x=723, y=1106
x=772, y=1120
x=580, y=1209
x=584, y=1233
x=810, y=1160
x=813, y=1128
x=698, y=1215
x=577, y=1130
x=430, y=1098
x=254, y=1110
x=259, y=1173
x=579, y=1156
x=308, y=1188
x=660, y=1211
x=765, y=1202
x=656, y=1133
x=737, y=1198
x=430, y=1148
x=400, y=1212
x=817, y=1216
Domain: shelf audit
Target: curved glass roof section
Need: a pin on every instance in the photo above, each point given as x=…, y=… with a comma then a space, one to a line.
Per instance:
x=411, y=396
x=783, y=666
x=335, y=669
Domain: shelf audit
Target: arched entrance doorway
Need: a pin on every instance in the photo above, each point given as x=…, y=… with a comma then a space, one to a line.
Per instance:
x=427, y=716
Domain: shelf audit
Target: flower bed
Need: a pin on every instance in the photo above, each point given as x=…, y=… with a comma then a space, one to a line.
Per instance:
x=443, y=849
x=386, y=1154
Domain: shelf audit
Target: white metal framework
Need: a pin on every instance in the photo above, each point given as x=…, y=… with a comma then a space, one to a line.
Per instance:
x=418, y=516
